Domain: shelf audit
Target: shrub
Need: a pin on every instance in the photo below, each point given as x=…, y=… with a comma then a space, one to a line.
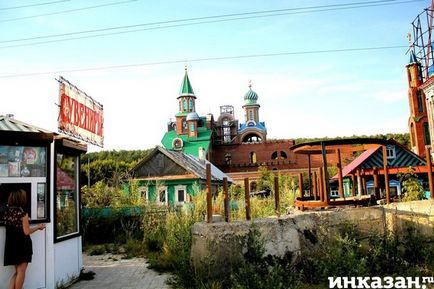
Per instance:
x=134, y=248
x=412, y=188
x=262, y=272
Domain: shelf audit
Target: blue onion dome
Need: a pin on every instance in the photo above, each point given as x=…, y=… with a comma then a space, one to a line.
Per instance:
x=250, y=97
x=192, y=116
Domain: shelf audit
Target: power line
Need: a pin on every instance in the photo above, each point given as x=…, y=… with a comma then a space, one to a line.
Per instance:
x=287, y=53
x=33, y=5
x=254, y=14
x=68, y=11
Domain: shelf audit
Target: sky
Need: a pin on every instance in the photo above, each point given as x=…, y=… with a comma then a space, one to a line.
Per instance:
x=304, y=91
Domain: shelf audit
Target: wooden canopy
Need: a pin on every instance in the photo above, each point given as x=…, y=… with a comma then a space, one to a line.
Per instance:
x=321, y=182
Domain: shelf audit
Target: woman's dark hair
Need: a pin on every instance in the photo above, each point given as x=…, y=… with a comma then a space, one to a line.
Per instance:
x=17, y=198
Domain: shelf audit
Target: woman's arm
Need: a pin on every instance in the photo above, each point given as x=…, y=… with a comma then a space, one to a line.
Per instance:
x=30, y=230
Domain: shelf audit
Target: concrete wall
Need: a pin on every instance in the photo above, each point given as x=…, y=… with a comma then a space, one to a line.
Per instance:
x=220, y=244
x=419, y=214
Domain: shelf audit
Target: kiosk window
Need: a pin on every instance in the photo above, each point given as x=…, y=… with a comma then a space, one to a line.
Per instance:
x=25, y=167
x=66, y=195
x=23, y=161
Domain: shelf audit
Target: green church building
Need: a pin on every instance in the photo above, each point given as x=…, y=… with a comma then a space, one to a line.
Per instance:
x=189, y=133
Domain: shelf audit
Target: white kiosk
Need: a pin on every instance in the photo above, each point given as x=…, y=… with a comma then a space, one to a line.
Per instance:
x=47, y=166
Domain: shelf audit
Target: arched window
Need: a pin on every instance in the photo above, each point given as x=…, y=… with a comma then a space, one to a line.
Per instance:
x=283, y=155
x=191, y=104
x=274, y=156
x=177, y=144
x=252, y=157
x=184, y=105
x=252, y=138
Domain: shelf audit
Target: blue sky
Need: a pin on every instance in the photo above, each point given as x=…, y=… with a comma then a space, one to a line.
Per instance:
x=301, y=95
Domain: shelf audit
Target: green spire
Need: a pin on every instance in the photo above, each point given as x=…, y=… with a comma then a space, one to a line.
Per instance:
x=186, y=89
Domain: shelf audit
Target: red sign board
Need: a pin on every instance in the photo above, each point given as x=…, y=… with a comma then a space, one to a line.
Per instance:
x=80, y=115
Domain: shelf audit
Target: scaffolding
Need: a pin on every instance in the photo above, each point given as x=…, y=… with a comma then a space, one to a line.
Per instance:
x=421, y=41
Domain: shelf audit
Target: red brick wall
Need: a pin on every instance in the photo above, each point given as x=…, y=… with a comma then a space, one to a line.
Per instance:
x=241, y=156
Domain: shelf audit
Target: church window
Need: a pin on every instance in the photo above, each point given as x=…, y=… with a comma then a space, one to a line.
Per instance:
x=252, y=138
x=191, y=104
x=184, y=125
x=226, y=131
x=228, y=159
x=426, y=136
x=283, y=155
x=252, y=157
x=251, y=115
x=274, y=156
x=177, y=144
x=184, y=105
x=192, y=127
x=419, y=101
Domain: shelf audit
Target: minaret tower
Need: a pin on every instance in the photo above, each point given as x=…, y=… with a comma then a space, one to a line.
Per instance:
x=418, y=120
x=186, y=100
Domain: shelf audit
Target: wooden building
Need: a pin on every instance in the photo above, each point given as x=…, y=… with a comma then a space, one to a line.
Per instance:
x=170, y=177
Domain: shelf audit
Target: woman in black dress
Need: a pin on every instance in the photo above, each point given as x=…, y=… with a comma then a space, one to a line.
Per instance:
x=18, y=245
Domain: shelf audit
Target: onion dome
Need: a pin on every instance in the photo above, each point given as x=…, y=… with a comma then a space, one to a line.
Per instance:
x=192, y=116
x=250, y=97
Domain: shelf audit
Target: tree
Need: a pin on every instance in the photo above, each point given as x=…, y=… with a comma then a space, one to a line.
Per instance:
x=412, y=188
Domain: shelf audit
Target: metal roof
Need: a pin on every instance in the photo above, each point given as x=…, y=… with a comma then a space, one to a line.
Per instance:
x=186, y=88
x=191, y=145
x=8, y=123
x=357, y=162
x=189, y=162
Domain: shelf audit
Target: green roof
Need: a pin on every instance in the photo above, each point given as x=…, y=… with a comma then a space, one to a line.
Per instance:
x=186, y=88
x=191, y=145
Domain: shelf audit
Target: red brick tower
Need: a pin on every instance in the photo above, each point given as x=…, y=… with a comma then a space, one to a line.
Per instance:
x=418, y=120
